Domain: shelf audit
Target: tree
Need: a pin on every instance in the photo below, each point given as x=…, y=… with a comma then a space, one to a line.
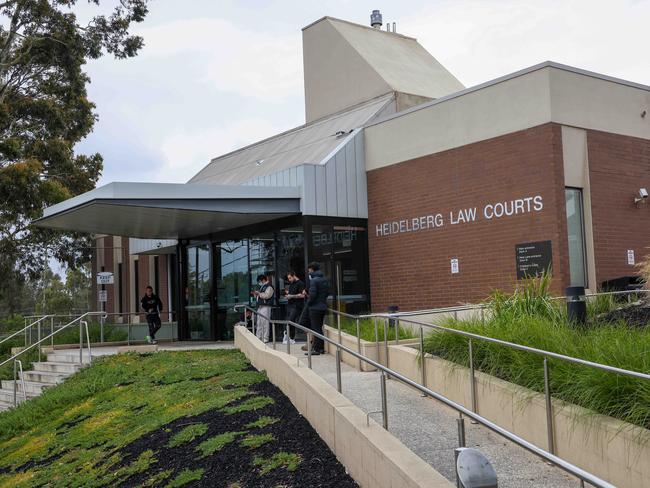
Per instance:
x=44, y=112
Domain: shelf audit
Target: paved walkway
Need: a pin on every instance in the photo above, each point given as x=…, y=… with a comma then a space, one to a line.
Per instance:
x=429, y=428
x=424, y=425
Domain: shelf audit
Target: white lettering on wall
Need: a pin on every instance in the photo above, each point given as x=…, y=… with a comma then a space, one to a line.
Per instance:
x=491, y=211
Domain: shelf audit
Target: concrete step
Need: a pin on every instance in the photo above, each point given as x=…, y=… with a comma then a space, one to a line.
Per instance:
x=7, y=396
x=44, y=377
x=62, y=357
x=56, y=367
x=33, y=387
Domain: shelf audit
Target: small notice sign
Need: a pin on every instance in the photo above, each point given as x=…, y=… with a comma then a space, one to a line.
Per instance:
x=454, y=265
x=533, y=258
x=103, y=295
x=105, y=278
x=630, y=257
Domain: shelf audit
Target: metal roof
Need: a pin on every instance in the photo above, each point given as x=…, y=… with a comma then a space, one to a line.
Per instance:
x=168, y=210
x=308, y=144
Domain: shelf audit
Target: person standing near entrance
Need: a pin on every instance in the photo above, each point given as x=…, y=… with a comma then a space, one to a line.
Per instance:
x=319, y=289
x=264, y=298
x=152, y=306
x=295, y=304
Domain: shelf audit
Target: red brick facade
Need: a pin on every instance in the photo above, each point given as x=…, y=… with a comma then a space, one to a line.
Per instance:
x=412, y=269
x=106, y=246
x=618, y=167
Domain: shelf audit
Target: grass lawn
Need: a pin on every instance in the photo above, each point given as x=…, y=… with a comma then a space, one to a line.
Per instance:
x=530, y=319
x=195, y=418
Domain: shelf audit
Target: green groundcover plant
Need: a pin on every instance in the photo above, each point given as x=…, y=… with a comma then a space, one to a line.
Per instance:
x=75, y=434
x=531, y=318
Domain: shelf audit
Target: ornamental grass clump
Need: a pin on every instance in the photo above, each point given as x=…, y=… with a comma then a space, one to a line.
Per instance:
x=528, y=317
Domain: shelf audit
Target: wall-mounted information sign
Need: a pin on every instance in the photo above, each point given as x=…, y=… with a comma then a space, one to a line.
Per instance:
x=105, y=278
x=630, y=257
x=454, y=265
x=103, y=296
x=533, y=258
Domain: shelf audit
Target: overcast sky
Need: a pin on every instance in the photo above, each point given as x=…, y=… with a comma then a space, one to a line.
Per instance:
x=215, y=76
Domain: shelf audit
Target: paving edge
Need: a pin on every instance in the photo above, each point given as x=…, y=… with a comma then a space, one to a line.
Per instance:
x=373, y=456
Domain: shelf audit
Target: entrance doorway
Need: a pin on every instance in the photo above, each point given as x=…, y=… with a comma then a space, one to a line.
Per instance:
x=198, y=292
x=232, y=285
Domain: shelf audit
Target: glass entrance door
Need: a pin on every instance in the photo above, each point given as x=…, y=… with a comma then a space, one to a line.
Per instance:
x=198, y=292
x=232, y=278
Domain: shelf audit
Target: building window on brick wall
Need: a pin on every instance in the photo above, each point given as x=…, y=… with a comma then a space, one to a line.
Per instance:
x=576, y=236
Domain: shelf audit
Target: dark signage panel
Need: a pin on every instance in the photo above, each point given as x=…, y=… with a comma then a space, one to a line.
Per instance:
x=533, y=258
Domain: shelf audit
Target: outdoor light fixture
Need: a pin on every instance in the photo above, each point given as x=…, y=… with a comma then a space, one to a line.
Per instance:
x=641, y=196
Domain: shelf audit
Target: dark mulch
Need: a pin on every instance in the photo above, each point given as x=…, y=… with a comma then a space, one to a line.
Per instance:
x=232, y=465
x=634, y=315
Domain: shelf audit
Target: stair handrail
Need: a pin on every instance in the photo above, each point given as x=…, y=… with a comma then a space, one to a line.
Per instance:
x=69, y=324
x=19, y=363
x=36, y=322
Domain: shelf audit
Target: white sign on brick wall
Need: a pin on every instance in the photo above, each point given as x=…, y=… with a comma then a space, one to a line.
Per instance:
x=103, y=295
x=630, y=257
x=454, y=265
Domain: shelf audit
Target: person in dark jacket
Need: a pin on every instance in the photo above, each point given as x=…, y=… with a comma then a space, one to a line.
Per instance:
x=152, y=306
x=319, y=290
x=295, y=294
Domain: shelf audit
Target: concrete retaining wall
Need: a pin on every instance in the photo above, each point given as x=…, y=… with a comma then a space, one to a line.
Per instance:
x=613, y=450
x=372, y=456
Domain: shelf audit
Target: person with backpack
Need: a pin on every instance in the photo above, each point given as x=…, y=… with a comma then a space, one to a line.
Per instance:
x=264, y=297
x=152, y=306
x=319, y=290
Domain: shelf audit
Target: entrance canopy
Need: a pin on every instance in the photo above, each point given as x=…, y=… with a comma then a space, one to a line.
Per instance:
x=170, y=210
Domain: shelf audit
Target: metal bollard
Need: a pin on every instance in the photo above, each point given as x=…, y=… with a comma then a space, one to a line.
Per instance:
x=338, y=370
x=549, y=409
x=472, y=377
x=461, y=430
x=473, y=469
x=423, y=363
x=309, y=349
x=272, y=325
x=359, y=343
x=288, y=341
x=384, y=399
x=386, y=325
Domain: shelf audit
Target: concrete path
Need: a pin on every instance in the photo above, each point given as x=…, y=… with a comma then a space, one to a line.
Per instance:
x=430, y=430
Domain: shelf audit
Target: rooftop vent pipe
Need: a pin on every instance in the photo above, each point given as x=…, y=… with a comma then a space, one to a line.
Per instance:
x=375, y=19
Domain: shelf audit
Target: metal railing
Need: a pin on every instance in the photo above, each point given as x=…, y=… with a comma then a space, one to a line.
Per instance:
x=122, y=319
x=83, y=324
x=581, y=474
x=37, y=323
x=18, y=365
x=546, y=355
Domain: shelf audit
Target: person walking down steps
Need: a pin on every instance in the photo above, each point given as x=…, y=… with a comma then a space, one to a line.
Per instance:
x=152, y=306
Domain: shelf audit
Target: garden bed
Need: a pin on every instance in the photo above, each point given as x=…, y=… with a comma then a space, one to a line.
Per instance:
x=195, y=418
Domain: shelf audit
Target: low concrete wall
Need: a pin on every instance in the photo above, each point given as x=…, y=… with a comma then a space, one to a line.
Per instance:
x=372, y=456
x=373, y=350
x=612, y=450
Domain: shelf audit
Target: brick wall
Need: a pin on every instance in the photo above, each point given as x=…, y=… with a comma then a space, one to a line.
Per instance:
x=618, y=167
x=412, y=269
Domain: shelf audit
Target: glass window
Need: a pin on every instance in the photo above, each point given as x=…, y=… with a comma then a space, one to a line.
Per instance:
x=576, y=236
x=232, y=281
x=198, y=292
x=262, y=260
x=290, y=256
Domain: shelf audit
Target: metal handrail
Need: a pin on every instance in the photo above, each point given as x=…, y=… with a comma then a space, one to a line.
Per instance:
x=551, y=458
x=19, y=363
x=512, y=345
x=24, y=329
x=69, y=324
